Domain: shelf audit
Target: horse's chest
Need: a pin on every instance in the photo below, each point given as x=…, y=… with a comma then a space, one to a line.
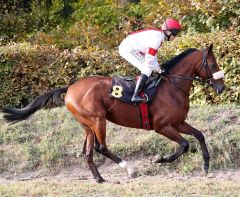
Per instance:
x=178, y=112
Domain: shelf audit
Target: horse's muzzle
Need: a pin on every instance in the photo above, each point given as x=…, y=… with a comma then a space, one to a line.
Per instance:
x=220, y=90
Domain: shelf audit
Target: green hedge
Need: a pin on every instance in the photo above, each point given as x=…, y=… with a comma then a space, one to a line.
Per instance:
x=86, y=43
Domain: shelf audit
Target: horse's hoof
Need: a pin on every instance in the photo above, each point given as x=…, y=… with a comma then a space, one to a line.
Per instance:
x=206, y=173
x=100, y=180
x=157, y=159
x=205, y=169
x=210, y=176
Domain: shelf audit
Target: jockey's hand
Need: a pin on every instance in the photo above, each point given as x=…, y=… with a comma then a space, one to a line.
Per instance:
x=162, y=71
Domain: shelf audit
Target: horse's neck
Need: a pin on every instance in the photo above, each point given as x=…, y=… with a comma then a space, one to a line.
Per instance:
x=185, y=68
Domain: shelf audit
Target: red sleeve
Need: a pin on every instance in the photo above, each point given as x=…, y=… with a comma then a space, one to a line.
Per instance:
x=152, y=51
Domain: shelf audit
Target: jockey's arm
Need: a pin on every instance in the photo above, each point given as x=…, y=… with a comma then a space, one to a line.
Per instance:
x=151, y=59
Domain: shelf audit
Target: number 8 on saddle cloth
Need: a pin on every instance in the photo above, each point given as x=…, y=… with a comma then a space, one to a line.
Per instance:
x=123, y=88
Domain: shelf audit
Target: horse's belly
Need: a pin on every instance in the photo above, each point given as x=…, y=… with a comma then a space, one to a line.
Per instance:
x=124, y=114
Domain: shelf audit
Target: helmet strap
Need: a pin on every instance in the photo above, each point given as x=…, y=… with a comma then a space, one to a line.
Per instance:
x=167, y=36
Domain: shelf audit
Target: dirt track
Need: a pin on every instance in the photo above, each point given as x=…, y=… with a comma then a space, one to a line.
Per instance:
x=152, y=181
x=113, y=173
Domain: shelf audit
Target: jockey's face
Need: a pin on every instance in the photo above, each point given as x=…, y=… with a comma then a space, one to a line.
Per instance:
x=173, y=33
x=172, y=37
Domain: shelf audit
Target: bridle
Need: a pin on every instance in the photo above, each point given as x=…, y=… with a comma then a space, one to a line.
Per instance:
x=208, y=80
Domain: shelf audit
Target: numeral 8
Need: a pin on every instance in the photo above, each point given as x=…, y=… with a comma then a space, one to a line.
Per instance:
x=117, y=91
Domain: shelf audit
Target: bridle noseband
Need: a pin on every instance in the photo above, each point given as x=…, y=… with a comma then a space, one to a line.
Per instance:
x=207, y=81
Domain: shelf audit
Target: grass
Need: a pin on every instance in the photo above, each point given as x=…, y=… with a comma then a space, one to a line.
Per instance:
x=147, y=187
x=52, y=139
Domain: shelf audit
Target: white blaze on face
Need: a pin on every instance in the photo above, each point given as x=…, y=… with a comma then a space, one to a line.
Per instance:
x=218, y=75
x=130, y=169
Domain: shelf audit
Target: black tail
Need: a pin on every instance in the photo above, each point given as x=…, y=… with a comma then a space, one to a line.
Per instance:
x=15, y=115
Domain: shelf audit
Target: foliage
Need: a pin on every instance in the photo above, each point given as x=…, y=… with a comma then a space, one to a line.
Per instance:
x=196, y=15
x=63, y=49
x=21, y=19
x=23, y=79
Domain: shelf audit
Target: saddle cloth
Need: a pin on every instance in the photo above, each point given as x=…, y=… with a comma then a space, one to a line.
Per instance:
x=123, y=88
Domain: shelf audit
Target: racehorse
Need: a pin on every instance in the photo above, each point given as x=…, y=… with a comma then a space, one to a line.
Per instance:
x=89, y=102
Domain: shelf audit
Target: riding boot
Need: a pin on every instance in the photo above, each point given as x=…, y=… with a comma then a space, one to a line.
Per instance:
x=139, y=87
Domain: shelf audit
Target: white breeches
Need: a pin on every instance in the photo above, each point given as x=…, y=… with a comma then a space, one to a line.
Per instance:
x=137, y=59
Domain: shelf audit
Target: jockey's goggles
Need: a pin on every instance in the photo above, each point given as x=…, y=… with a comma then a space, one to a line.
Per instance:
x=174, y=32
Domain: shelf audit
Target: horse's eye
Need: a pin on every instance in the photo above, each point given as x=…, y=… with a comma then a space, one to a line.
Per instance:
x=213, y=66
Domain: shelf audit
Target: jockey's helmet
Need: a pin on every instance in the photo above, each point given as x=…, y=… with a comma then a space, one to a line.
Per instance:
x=171, y=25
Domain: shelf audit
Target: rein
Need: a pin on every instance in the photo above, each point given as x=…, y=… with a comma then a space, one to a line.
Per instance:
x=172, y=79
x=202, y=81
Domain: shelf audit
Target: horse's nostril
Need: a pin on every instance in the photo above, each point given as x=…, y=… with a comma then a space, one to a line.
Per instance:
x=223, y=88
x=220, y=90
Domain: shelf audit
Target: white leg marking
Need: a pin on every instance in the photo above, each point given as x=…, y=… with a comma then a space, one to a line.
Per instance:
x=130, y=170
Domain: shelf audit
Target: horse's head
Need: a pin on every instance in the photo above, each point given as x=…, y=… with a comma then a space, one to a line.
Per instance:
x=210, y=71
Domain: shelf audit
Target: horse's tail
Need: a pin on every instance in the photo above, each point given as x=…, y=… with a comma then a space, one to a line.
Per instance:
x=15, y=115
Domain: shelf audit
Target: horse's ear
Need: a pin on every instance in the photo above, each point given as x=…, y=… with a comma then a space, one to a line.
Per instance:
x=210, y=48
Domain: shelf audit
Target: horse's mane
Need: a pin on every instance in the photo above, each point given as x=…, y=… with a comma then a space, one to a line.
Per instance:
x=171, y=63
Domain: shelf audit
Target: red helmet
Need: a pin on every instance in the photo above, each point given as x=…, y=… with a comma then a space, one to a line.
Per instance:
x=170, y=24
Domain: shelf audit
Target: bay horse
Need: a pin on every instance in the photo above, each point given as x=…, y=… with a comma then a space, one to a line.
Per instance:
x=89, y=102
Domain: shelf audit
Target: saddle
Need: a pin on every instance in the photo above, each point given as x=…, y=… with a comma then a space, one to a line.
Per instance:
x=123, y=88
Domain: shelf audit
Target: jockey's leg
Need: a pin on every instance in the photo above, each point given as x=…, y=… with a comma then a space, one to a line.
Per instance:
x=139, y=88
x=146, y=71
x=134, y=57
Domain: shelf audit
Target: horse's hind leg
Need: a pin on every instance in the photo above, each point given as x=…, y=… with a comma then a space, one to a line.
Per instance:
x=188, y=129
x=171, y=133
x=84, y=151
x=88, y=154
x=101, y=147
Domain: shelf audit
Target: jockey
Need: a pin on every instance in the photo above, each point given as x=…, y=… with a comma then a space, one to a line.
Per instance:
x=140, y=49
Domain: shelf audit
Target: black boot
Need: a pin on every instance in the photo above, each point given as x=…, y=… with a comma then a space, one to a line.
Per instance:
x=139, y=87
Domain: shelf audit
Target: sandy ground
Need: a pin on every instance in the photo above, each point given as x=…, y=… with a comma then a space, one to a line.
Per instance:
x=114, y=174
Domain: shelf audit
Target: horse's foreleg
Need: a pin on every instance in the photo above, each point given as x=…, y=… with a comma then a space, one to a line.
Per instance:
x=88, y=148
x=188, y=129
x=172, y=134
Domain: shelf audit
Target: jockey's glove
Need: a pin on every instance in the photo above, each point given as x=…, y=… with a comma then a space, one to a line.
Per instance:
x=161, y=71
